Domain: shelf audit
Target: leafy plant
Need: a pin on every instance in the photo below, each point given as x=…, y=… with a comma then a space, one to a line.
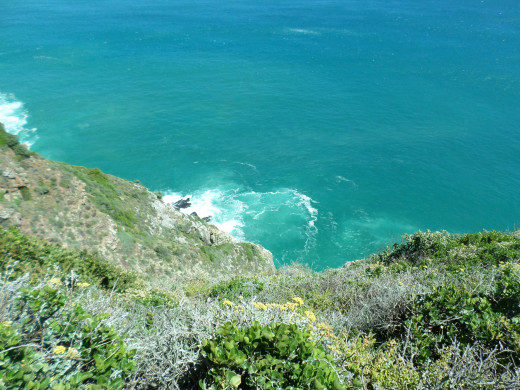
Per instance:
x=61, y=346
x=451, y=313
x=274, y=356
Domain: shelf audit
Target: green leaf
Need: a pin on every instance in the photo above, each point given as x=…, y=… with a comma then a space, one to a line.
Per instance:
x=235, y=381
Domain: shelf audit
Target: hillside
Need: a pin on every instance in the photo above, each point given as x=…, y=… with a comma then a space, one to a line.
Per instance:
x=436, y=311
x=84, y=208
x=104, y=286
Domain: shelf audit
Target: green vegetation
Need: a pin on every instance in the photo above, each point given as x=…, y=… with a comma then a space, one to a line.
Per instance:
x=436, y=311
x=106, y=194
x=274, y=356
x=22, y=255
x=7, y=139
x=26, y=193
x=60, y=346
x=12, y=142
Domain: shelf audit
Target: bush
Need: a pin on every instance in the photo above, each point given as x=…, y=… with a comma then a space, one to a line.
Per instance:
x=453, y=312
x=42, y=190
x=275, y=356
x=60, y=345
x=21, y=151
x=6, y=138
x=232, y=289
x=26, y=194
x=415, y=247
x=23, y=254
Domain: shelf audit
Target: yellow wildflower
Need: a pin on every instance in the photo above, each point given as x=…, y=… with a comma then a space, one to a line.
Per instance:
x=259, y=305
x=72, y=353
x=60, y=349
x=323, y=326
x=7, y=324
x=291, y=306
x=298, y=300
x=310, y=315
x=401, y=283
x=55, y=281
x=227, y=302
x=83, y=284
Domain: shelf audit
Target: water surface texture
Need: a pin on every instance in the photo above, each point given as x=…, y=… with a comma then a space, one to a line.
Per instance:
x=321, y=129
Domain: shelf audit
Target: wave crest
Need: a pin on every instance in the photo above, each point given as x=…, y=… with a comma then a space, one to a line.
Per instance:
x=284, y=218
x=13, y=116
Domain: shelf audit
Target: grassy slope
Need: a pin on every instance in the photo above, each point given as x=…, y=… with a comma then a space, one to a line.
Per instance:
x=436, y=311
x=84, y=208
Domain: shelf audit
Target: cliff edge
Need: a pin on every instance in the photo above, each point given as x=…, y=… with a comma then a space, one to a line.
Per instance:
x=84, y=208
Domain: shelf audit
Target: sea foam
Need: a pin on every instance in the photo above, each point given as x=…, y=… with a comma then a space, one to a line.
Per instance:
x=225, y=212
x=266, y=217
x=14, y=116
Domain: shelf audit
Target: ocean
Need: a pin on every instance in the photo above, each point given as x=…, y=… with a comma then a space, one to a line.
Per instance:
x=320, y=129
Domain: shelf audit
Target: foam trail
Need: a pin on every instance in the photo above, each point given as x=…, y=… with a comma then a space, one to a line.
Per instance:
x=247, y=165
x=311, y=230
x=340, y=179
x=14, y=116
x=303, y=31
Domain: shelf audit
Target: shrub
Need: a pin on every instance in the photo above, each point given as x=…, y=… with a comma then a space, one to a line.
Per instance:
x=451, y=313
x=6, y=138
x=245, y=287
x=26, y=194
x=42, y=190
x=416, y=247
x=273, y=356
x=21, y=151
x=59, y=344
x=23, y=254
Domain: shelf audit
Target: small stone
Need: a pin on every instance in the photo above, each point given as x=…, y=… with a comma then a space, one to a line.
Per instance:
x=5, y=214
x=9, y=173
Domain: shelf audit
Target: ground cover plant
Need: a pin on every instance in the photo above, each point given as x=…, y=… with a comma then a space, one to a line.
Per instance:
x=435, y=311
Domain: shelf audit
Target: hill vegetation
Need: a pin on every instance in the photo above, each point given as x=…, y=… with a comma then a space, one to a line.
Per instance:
x=436, y=311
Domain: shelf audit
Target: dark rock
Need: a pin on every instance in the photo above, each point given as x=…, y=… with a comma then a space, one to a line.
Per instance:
x=183, y=203
x=207, y=219
x=194, y=214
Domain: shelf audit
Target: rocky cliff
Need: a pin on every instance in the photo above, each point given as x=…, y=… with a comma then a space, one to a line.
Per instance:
x=123, y=221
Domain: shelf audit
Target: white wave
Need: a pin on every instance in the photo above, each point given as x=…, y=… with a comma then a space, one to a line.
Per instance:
x=225, y=212
x=303, y=31
x=256, y=213
x=14, y=116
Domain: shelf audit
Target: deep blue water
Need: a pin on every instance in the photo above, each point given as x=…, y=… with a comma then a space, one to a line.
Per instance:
x=320, y=129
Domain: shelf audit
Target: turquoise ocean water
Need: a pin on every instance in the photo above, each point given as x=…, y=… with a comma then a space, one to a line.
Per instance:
x=321, y=129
